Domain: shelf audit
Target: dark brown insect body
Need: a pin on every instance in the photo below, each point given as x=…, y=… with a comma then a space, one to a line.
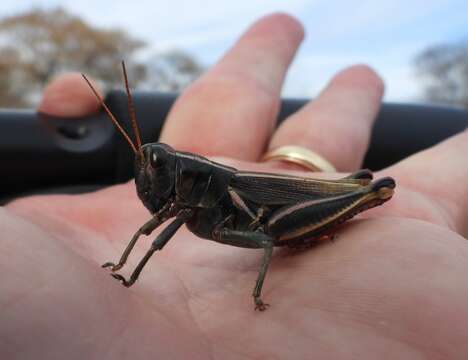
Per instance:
x=238, y=208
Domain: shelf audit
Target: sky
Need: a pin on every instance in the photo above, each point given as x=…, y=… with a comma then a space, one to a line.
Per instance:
x=385, y=34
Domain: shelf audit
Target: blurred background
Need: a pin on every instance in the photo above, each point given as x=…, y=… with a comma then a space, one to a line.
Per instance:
x=419, y=47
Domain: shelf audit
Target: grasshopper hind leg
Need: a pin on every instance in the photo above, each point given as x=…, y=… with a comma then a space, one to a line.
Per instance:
x=365, y=176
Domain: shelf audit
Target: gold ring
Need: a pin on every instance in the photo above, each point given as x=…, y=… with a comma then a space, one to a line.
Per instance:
x=300, y=156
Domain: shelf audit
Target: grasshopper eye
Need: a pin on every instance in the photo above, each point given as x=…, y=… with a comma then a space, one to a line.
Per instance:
x=154, y=159
x=157, y=160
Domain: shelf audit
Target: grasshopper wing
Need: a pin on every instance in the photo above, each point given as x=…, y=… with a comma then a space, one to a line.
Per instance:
x=277, y=189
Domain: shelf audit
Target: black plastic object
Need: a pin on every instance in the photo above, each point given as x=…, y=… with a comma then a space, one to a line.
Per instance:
x=38, y=151
x=402, y=129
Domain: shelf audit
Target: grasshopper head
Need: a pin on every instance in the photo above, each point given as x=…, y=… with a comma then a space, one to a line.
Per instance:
x=154, y=163
x=155, y=175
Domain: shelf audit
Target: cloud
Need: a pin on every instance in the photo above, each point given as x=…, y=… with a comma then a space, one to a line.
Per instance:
x=385, y=34
x=310, y=72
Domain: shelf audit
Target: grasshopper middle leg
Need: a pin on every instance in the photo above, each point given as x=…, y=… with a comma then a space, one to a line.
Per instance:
x=250, y=239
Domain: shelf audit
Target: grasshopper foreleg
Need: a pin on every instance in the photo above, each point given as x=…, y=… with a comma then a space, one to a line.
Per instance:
x=146, y=229
x=157, y=244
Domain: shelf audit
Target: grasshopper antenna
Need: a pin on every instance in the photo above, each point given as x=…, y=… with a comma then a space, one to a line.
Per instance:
x=131, y=110
x=112, y=117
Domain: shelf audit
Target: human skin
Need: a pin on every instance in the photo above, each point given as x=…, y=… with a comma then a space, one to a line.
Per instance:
x=392, y=286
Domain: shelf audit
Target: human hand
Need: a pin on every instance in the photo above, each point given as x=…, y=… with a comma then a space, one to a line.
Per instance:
x=393, y=284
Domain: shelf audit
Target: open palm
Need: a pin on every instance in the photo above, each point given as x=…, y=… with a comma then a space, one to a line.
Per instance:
x=392, y=285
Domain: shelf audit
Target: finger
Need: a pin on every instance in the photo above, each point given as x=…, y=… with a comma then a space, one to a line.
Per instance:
x=68, y=95
x=338, y=123
x=231, y=110
x=440, y=173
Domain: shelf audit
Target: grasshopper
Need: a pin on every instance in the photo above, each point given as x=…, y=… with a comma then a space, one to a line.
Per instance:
x=239, y=208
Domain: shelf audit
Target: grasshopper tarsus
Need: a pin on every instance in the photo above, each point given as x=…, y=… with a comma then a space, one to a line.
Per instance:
x=113, y=267
x=260, y=305
x=123, y=281
x=331, y=238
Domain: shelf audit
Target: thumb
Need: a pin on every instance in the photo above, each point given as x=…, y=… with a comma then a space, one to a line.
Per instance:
x=68, y=95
